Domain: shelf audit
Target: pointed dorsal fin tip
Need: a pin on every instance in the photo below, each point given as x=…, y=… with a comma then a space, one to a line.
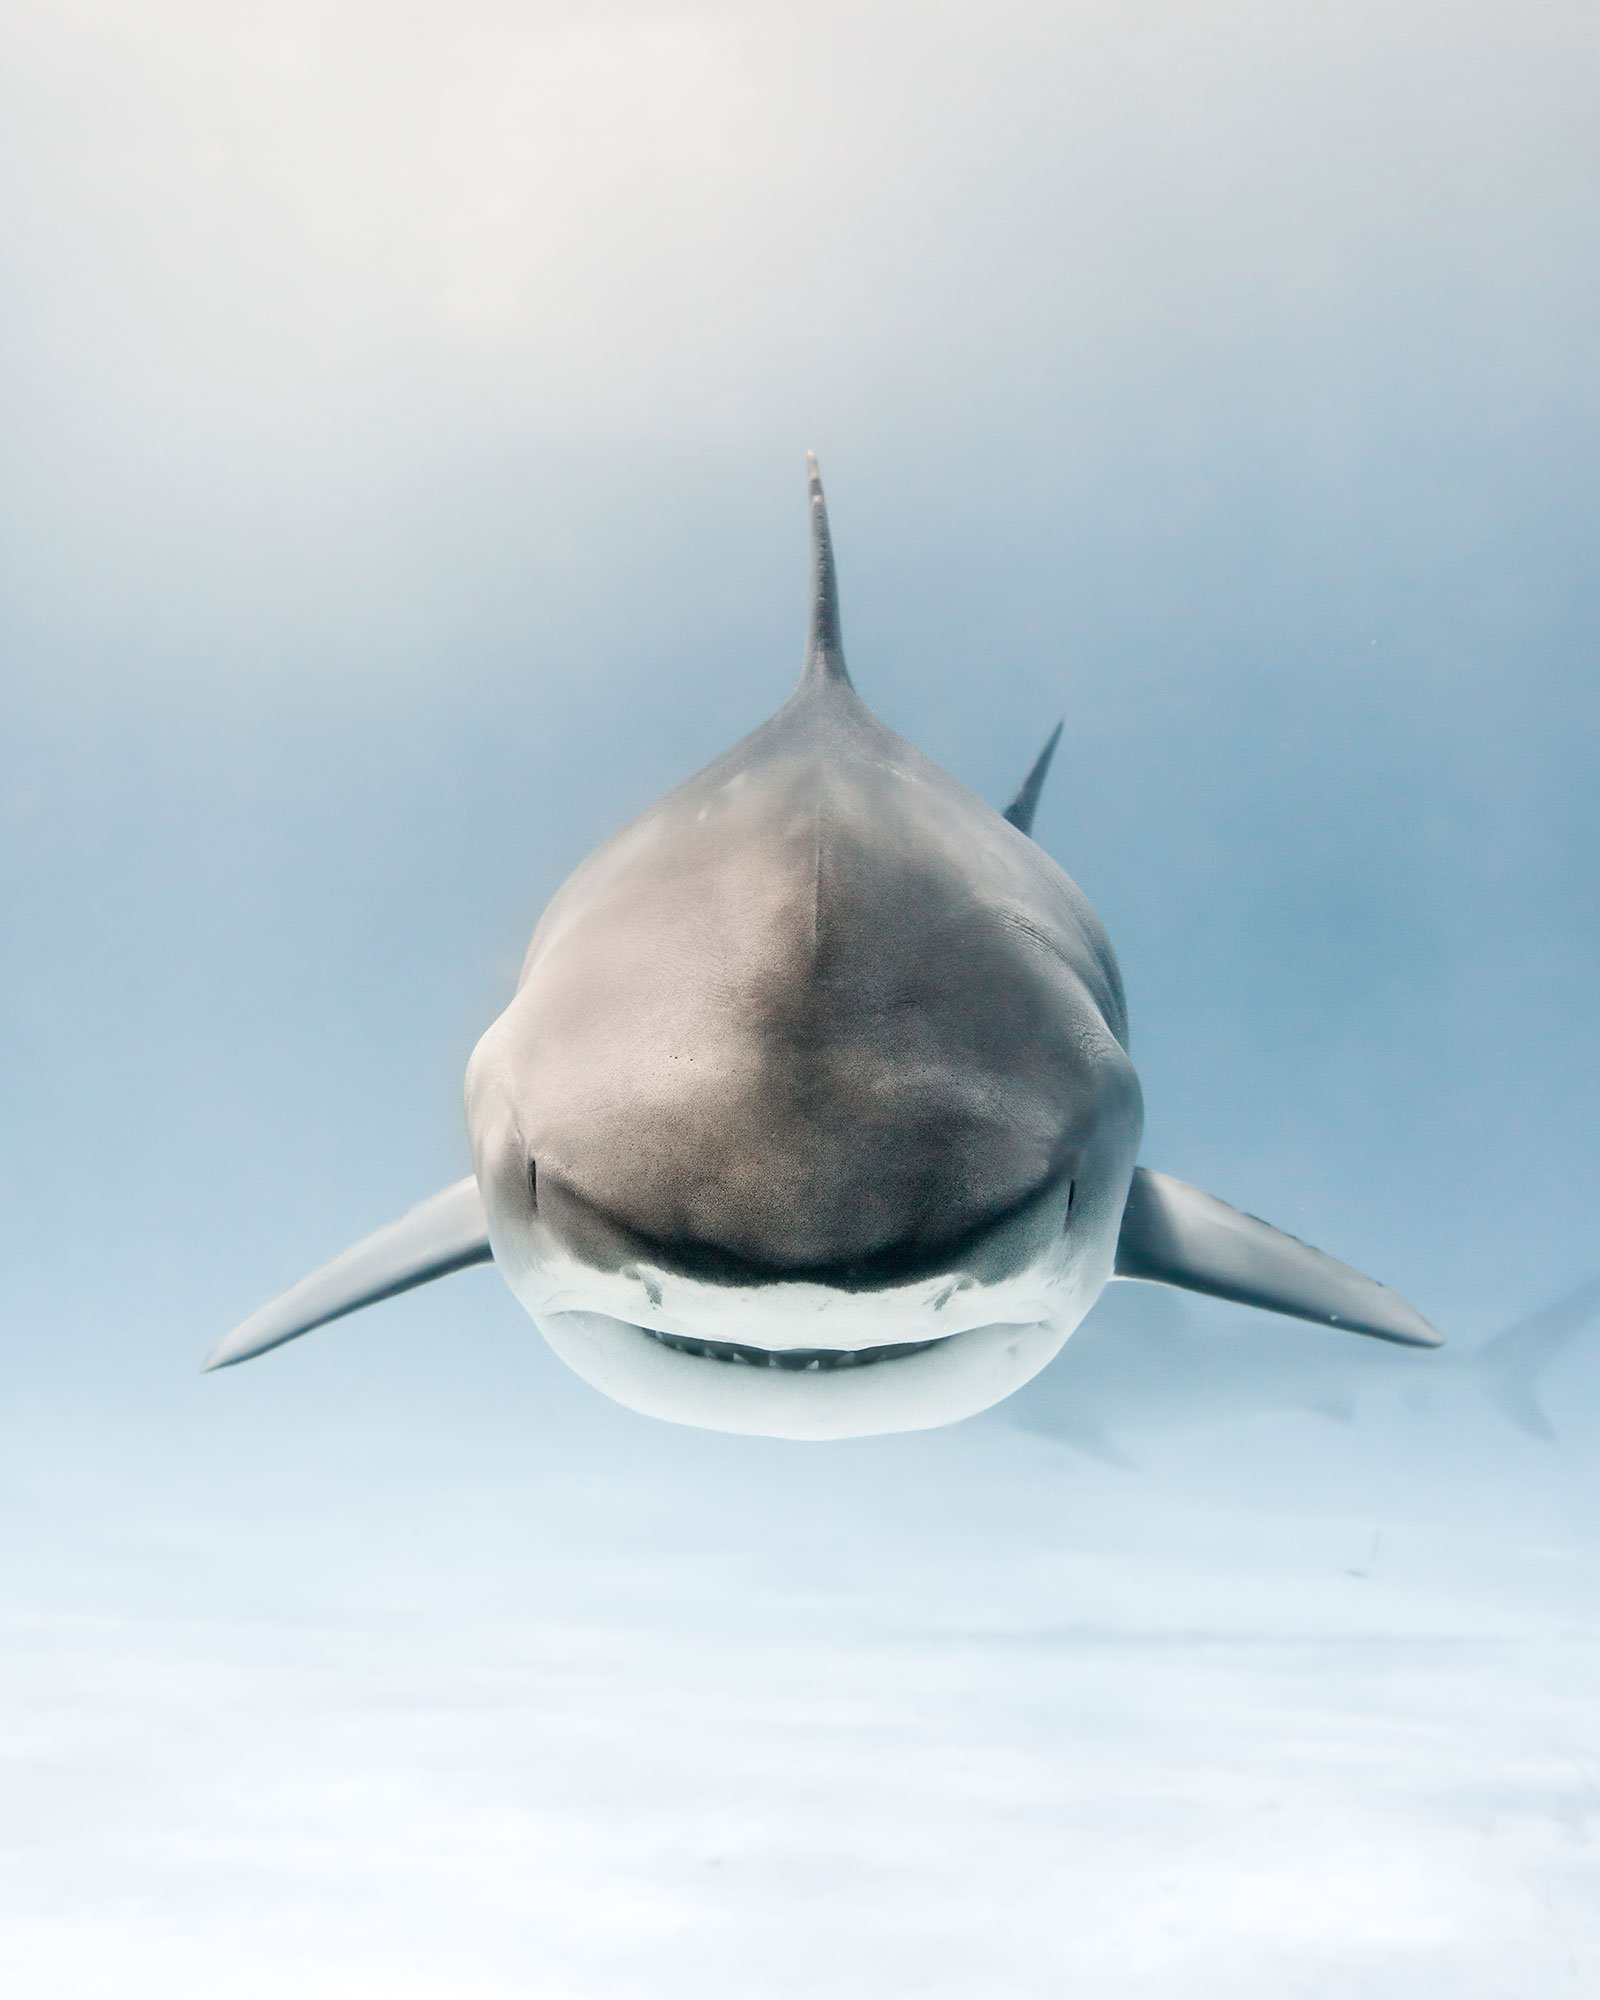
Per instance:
x=824, y=650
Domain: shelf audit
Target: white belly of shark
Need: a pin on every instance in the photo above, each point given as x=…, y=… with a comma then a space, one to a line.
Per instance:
x=812, y=1115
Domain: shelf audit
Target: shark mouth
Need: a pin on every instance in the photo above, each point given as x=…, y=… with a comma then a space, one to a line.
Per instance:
x=799, y=1392
x=799, y=1360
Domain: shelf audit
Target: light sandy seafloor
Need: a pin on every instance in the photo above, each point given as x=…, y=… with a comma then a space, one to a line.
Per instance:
x=617, y=1712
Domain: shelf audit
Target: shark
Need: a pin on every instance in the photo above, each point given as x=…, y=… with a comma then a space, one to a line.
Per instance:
x=812, y=1114
x=1154, y=1364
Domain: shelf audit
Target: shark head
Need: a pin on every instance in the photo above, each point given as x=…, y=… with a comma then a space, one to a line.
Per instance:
x=812, y=1114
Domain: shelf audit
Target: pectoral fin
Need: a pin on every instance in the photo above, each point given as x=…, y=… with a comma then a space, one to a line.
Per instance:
x=445, y=1233
x=1174, y=1234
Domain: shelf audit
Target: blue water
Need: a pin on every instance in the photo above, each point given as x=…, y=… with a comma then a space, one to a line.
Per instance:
x=402, y=487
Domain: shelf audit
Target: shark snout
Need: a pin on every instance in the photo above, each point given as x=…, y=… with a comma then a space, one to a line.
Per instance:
x=924, y=1256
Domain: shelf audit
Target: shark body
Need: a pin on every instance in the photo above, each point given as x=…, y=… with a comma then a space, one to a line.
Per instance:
x=813, y=1113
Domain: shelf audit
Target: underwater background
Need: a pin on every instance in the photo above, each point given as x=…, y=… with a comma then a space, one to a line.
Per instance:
x=404, y=411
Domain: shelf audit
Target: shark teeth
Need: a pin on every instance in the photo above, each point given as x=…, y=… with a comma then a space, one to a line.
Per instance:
x=796, y=1360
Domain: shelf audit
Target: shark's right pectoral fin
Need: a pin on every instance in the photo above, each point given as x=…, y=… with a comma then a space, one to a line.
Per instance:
x=445, y=1233
x=1174, y=1234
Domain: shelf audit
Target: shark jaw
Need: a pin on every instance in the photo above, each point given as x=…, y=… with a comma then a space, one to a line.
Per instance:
x=803, y=1358
x=801, y=1392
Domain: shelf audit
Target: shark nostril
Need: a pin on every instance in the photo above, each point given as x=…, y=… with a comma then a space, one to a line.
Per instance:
x=533, y=1182
x=1072, y=1202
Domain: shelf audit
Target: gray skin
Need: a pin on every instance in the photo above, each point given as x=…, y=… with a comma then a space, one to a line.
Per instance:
x=813, y=1114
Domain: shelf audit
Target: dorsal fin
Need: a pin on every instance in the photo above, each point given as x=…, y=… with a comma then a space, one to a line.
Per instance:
x=1022, y=808
x=824, y=652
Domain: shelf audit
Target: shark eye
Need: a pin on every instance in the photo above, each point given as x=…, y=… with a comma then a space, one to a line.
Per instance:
x=533, y=1182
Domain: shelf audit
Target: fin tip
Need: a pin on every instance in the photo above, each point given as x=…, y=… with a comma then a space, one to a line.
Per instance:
x=824, y=654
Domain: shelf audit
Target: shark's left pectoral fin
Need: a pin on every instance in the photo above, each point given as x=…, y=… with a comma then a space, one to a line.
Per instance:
x=445, y=1233
x=1174, y=1234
